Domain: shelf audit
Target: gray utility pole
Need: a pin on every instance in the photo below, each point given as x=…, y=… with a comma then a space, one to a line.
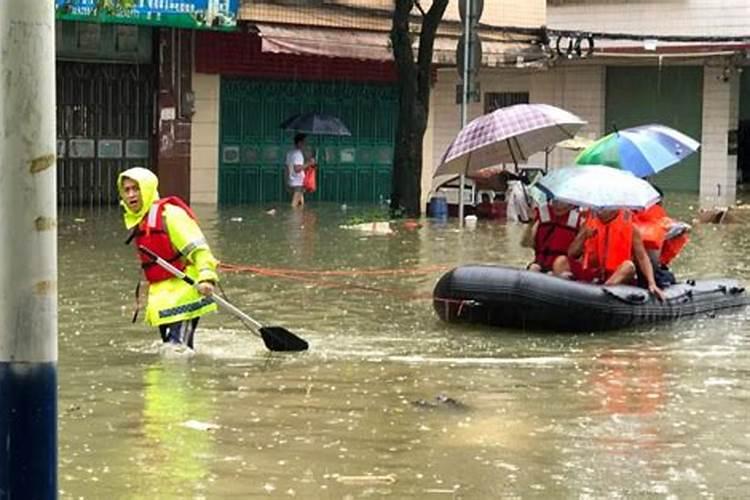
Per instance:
x=28, y=251
x=464, y=99
x=469, y=57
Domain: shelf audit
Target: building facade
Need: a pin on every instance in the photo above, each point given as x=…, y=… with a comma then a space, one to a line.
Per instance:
x=695, y=85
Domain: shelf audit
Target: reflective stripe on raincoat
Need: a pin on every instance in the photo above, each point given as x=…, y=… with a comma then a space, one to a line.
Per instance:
x=173, y=300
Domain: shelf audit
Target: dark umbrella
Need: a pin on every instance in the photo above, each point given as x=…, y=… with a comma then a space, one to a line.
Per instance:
x=316, y=123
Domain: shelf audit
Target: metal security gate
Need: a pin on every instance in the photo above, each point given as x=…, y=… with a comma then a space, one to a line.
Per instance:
x=670, y=95
x=104, y=126
x=253, y=147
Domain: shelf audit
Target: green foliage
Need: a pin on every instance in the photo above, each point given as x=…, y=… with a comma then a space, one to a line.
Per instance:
x=113, y=7
x=101, y=7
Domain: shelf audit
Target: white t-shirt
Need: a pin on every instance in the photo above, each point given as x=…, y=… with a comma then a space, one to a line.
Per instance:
x=295, y=157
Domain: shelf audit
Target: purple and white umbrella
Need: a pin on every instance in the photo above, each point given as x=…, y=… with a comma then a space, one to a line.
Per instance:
x=507, y=135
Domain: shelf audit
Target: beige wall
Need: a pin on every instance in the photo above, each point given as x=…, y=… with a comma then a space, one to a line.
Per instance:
x=676, y=17
x=528, y=13
x=204, y=142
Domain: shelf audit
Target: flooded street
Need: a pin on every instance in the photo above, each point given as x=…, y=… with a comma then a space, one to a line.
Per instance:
x=660, y=412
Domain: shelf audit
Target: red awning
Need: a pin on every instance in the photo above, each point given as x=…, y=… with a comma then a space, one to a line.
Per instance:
x=374, y=45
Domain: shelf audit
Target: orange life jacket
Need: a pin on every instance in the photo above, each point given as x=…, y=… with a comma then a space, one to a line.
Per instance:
x=653, y=224
x=554, y=234
x=611, y=246
x=152, y=233
x=672, y=248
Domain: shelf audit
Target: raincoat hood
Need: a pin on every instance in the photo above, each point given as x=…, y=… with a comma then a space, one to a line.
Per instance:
x=148, y=183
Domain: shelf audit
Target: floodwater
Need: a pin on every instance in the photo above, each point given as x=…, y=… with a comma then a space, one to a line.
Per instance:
x=660, y=412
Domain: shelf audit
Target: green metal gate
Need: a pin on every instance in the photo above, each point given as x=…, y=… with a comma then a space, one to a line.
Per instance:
x=670, y=95
x=253, y=147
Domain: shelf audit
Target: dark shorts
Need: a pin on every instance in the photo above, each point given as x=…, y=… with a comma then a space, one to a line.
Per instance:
x=296, y=189
x=181, y=332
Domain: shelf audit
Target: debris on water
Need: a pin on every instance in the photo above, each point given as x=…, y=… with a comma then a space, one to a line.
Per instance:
x=379, y=228
x=200, y=426
x=79, y=219
x=236, y=219
x=271, y=212
x=441, y=401
x=367, y=479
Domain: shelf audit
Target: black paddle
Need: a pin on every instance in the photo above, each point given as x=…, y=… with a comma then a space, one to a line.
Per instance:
x=276, y=338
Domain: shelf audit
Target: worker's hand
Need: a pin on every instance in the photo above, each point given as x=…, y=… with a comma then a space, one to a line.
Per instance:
x=205, y=288
x=655, y=290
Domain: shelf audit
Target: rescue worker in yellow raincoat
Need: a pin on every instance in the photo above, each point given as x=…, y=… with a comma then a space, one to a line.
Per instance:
x=167, y=226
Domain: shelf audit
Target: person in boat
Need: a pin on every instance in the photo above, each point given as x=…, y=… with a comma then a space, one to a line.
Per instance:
x=607, y=249
x=555, y=226
x=168, y=227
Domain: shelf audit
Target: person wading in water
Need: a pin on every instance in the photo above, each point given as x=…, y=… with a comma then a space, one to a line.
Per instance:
x=168, y=227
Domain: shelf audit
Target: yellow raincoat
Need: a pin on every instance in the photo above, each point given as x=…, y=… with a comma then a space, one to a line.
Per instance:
x=173, y=300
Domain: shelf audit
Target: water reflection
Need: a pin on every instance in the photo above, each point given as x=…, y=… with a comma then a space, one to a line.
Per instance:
x=177, y=449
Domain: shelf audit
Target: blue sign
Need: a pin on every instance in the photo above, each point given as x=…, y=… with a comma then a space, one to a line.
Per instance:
x=190, y=14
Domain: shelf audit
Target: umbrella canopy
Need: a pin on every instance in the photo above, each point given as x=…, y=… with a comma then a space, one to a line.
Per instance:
x=316, y=123
x=598, y=187
x=643, y=150
x=507, y=135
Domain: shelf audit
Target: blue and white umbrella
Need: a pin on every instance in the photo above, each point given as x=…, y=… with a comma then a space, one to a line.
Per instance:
x=598, y=187
x=644, y=150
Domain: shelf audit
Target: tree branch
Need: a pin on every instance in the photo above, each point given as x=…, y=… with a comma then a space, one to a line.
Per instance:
x=426, y=45
x=419, y=6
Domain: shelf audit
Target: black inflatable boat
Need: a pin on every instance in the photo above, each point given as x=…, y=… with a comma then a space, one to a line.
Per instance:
x=513, y=298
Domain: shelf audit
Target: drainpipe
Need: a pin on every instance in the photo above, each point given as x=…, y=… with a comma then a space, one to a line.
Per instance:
x=28, y=251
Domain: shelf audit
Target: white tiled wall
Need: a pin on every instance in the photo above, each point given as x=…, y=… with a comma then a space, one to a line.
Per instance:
x=720, y=109
x=578, y=89
x=663, y=17
x=204, y=141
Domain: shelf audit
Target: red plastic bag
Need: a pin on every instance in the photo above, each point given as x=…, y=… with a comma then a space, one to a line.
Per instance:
x=310, y=183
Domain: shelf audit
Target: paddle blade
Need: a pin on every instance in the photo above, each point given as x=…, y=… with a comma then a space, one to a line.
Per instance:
x=278, y=338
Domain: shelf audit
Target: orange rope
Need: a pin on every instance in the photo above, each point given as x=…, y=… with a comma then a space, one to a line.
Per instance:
x=353, y=272
x=308, y=277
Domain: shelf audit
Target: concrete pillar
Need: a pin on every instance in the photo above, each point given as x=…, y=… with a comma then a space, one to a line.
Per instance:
x=28, y=251
x=718, y=180
x=204, y=143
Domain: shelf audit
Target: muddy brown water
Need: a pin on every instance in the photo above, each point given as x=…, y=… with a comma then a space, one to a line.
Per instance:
x=658, y=412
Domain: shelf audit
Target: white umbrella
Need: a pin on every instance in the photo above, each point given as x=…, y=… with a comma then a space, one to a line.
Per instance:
x=598, y=187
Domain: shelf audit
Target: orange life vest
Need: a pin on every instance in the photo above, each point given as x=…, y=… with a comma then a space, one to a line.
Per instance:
x=152, y=233
x=611, y=246
x=554, y=234
x=652, y=224
x=672, y=248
